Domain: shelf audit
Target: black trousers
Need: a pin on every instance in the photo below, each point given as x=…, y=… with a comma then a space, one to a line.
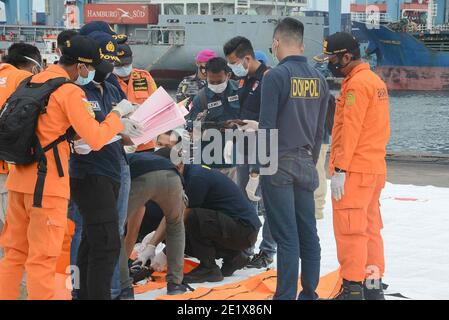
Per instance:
x=96, y=198
x=212, y=235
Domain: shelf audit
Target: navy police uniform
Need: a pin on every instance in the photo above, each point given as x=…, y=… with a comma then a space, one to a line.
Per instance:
x=94, y=185
x=250, y=94
x=217, y=108
x=294, y=101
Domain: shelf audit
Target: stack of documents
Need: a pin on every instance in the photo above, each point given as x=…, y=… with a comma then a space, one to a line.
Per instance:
x=157, y=115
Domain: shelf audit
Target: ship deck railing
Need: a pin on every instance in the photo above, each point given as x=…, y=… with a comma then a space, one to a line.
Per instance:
x=159, y=35
x=18, y=33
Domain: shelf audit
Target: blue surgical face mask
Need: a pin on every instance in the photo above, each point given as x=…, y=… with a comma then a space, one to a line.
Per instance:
x=239, y=70
x=85, y=81
x=124, y=71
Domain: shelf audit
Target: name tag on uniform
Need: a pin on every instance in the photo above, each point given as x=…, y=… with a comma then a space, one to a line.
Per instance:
x=305, y=88
x=140, y=84
x=214, y=104
x=233, y=98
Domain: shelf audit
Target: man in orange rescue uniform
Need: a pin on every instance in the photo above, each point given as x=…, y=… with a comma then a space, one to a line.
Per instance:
x=20, y=63
x=137, y=84
x=32, y=237
x=358, y=168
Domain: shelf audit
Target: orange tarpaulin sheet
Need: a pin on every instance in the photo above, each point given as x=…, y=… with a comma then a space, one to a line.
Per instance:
x=259, y=287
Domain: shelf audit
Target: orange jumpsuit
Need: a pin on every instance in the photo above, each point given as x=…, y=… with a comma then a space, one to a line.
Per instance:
x=139, y=88
x=359, y=139
x=33, y=237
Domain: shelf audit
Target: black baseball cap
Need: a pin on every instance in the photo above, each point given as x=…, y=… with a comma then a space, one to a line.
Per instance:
x=82, y=49
x=108, y=50
x=125, y=54
x=340, y=42
x=104, y=27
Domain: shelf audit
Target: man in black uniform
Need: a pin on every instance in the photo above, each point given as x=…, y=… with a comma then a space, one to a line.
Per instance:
x=242, y=60
x=294, y=101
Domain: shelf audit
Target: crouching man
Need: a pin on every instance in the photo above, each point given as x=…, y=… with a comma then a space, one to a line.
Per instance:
x=155, y=178
x=220, y=222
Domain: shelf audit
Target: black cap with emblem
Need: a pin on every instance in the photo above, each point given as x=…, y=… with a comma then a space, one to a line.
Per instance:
x=103, y=27
x=108, y=51
x=125, y=55
x=338, y=43
x=81, y=49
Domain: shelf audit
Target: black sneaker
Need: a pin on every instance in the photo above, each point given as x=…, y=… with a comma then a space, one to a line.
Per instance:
x=204, y=274
x=374, y=293
x=230, y=266
x=351, y=290
x=260, y=261
x=175, y=289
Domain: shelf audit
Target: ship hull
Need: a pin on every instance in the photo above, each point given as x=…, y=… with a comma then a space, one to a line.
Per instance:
x=415, y=78
x=201, y=32
x=404, y=62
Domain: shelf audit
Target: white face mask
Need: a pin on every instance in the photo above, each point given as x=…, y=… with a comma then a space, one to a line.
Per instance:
x=85, y=81
x=239, y=70
x=218, y=88
x=124, y=71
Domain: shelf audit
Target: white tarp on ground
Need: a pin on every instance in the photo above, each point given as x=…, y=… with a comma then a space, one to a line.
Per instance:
x=416, y=235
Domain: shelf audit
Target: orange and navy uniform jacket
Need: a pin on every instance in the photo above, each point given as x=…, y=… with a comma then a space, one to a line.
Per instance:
x=139, y=88
x=67, y=107
x=10, y=79
x=362, y=124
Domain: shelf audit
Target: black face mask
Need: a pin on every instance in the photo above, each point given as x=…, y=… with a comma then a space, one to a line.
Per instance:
x=100, y=77
x=335, y=69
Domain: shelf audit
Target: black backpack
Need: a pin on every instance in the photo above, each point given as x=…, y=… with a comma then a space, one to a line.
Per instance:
x=19, y=144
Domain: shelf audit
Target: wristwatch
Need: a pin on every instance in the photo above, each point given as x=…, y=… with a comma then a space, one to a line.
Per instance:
x=338, y=170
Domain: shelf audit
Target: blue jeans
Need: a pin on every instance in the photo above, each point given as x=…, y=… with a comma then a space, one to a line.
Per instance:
x=75, y=216
x=122, y=206
x=290, y=207
x=268, y=244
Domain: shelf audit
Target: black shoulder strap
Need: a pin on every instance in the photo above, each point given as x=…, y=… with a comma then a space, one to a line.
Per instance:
x=52, y=85
x=203, y=98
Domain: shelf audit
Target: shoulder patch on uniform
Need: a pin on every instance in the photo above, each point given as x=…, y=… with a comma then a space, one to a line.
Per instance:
x=382, y=94
x=305, y=88
x=255, y=85
x=350, y=99
x=89, y=108
x=95, y=105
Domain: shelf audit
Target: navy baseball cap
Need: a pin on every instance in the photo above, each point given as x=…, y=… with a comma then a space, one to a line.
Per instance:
x=108, y=50
x=340, y=42
x=81, y=49
x=125, y=54
x=104, y=27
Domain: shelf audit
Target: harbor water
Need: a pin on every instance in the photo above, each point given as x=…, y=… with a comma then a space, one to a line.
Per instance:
x=419, y=121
